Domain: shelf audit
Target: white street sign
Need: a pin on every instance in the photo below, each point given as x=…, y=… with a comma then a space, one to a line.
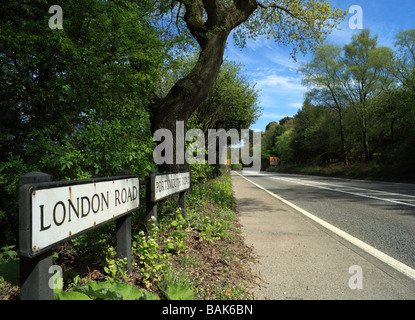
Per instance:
x=62, y=212
x=165, y=185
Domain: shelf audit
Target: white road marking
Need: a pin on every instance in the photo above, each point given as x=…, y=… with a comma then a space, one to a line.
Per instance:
x=397, y=265
x=356, y=191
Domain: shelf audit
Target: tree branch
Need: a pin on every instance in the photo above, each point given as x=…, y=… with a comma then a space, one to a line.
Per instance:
x=276, y=6
x=213, y=7
x=241, y=10
x=194, y=18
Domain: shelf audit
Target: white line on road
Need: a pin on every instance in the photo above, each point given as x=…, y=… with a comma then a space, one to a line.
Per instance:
x=397, y=265
x=367, y=193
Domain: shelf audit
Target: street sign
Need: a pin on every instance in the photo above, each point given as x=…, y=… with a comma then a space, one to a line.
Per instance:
x=273, y=161
x=62, y=210
x=164, y=185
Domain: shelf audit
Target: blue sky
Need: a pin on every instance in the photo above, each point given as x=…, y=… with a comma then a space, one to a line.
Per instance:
x=270, y=66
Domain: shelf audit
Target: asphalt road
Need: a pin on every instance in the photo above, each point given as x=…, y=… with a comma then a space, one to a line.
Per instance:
x=381, y=214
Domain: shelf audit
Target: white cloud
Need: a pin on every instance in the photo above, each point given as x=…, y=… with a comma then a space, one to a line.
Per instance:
x=273, y=116
x=260, y=42
x=283, y=60
x=283, y=84
x=268, y=100
x=295, y=105
x=260, y=72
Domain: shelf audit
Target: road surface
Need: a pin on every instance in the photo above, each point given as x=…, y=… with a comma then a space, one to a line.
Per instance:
x=380, y=215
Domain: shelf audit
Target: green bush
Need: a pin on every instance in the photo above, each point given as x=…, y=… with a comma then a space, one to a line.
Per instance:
x=237, y=166
x=107, y=290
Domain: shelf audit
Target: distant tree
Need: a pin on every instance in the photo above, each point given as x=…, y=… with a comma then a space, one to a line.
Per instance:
x=314, y=136
x=404, y=65
x=366, y=77
x=325, y=75
x=302, y=23
x=272, y=131
x=394, y=114
x=285, y=148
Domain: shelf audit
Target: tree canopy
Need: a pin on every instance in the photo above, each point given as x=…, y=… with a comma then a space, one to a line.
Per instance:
x=359, y=107
x=75, y=101
x=301, y=23
x=232, y=102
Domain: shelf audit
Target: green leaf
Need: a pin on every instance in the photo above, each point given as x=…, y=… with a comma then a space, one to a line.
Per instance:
x=114, y=291
x=133, y=293
x=100, y=290
x=178, y=292
x=149, y=296
x=10, y=272
x=69, y=295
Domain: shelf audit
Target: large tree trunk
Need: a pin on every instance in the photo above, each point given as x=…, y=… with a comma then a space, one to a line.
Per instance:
x=188, y=93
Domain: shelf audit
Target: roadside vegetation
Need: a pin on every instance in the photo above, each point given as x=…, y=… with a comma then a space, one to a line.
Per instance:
x=201, y=257
x=75, y=104
x=358, y=117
